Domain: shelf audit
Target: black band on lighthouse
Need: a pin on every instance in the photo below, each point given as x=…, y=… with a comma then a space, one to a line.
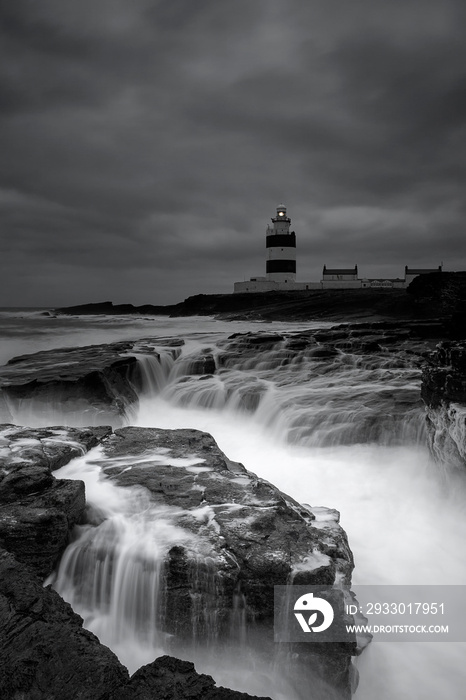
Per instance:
x=284, y=240
x=280, y=266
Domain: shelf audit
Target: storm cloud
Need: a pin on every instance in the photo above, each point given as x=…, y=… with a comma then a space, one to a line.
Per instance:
x=146, y=144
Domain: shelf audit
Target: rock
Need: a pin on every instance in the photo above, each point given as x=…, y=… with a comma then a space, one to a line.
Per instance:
x=93, y=381
x=168, y=678
x=358, y=338
x=46, y=447
x=109, y=309
x=90, y=385
x=198, y=364
x=37, y=529
x=323, y=352
x=249, y=537
x=442, y=293
x=37, y=512
x=253, y=532
x=238, y=346
x=444, y=393
x=23, y=481
x=45, y=652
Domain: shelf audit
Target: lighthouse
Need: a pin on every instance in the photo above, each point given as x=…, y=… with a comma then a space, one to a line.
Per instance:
x=280, y=267
x=280, y=263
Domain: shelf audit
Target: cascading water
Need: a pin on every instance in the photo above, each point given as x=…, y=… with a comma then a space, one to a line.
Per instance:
x=305, y=397
x=338, y=429
x=113, y=574
x=113, y=570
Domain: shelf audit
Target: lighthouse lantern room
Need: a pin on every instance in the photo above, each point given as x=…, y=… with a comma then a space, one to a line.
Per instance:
x=281, y=249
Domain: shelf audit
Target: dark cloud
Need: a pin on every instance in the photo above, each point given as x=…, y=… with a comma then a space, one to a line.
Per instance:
x=145, y=145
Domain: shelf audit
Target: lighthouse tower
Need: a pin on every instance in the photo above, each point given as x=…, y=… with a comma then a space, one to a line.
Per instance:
x=281, y=249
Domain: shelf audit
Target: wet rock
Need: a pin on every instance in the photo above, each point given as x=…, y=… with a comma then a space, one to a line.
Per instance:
x=297, y=343
x=37, y=528
x=254, y=342
x=91, y=385
x=44, y=650
x=95, y=381
x=168, y=678
x=255, y=339
x=24, y=481
x=323, y=352
x=247, y=537
x=444, y=378
x=203, y=364
x=254, y=536
x=238, y=345
x=359, y=338
x=444, y=394
x=46, y=653
x=45, y=447
x=37, y=512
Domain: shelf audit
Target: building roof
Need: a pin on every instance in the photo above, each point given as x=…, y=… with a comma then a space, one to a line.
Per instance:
x=340, y=271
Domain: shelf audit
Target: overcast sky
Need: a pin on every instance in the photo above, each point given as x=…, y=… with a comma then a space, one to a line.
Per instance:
x=145, y=144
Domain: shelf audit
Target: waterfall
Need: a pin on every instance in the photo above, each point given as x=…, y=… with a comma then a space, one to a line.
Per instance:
x=114, y=574
x=113, y=571
x=155, y=369
x=305, y=396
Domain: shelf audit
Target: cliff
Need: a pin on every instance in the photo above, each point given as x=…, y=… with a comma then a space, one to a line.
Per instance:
x=444, y=394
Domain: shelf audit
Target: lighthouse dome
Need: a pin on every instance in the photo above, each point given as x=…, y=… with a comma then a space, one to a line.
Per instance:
x=281, y=211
